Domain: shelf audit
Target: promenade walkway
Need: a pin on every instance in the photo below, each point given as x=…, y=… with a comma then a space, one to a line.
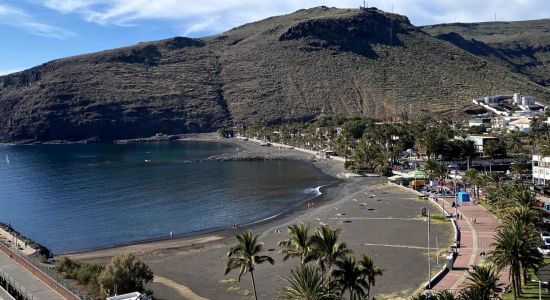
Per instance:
x=477, y=230
x=31, y=283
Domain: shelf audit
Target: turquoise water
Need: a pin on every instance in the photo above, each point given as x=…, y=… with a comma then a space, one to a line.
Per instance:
x=78, y=197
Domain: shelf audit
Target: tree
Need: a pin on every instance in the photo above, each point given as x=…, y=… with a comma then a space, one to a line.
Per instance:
x=326, y=248
x=519, y=170
x=544, y=150
x=484, y=279
x=473, y=177
x=435, y=170
x=514, y=142
x=306, y=283
x=349, y=276
x=125, y=274
x=298, y=244
x=493, y=148
x=245, y=255
x=441, y=295
x=370, y=271
x=516, y=248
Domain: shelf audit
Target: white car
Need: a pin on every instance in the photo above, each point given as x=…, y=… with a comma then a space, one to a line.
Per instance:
x=545, y=250
x=546, y=241
x=545, y=234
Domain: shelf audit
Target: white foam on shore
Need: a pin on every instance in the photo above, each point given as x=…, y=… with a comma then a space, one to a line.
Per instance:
x=316, y=191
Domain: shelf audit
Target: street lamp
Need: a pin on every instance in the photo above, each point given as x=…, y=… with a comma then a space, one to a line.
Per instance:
x=429, y=260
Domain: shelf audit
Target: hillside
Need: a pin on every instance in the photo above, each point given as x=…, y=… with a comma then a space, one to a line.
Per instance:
x=522, y=47
x=319, y=61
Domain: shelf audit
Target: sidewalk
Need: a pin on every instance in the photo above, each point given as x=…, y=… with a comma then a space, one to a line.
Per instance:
x=475, y=237
x=26, y=280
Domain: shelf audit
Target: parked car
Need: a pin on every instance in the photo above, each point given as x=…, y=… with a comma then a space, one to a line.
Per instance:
x=545, y=250
x=545, y=235
x=546, y=241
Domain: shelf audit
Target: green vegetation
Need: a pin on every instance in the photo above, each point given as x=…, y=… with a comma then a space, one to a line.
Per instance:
x=327, y=270
x=124, y=274
x=245, y=255
x=369, y=145
x=531, y=289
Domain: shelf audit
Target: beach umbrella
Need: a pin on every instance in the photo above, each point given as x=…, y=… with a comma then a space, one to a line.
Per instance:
x=363, y=204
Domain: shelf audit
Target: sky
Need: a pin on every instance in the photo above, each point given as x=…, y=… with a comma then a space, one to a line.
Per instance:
x=33, y=32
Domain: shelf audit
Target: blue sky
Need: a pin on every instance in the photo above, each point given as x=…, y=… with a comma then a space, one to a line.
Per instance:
x=36, y=31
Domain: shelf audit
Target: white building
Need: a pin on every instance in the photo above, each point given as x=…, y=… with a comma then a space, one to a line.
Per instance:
x=480, y=141
x=523, y=125
x=130, y=296
x=541, y=169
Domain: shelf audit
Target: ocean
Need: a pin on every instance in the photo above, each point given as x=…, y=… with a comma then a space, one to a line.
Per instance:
x=77, y=197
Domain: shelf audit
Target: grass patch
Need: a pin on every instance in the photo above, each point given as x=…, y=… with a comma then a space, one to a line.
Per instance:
x=439, y=219
x=531, y=289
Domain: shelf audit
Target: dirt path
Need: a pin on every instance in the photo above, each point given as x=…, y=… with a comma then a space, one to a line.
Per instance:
x=184, y=291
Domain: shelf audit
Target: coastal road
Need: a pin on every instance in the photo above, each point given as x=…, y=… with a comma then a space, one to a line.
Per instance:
x=32, y=284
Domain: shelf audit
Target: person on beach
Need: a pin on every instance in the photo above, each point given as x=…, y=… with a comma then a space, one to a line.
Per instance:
x=171, y=234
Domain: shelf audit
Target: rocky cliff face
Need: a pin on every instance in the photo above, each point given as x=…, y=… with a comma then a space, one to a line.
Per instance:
x=522, y=47
x=292, y=67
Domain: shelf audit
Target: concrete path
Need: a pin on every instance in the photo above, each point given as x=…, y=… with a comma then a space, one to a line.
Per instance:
x=477, y=229
x=31, y=284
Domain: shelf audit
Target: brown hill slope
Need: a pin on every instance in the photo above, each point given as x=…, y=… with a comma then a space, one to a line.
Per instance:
x=522, y=47
x=293, y=67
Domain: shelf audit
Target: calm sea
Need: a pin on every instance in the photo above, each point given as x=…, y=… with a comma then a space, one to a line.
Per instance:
x=78, y=197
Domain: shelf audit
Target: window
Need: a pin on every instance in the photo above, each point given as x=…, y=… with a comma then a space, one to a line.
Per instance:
x=535, y=163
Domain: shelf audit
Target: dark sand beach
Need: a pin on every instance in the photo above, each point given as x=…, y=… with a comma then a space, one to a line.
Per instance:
x=391, y=231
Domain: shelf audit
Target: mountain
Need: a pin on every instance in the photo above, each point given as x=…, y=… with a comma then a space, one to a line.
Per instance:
x=319, y=61
x=522, y=47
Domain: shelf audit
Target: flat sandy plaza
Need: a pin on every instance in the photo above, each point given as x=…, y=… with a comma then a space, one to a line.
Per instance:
x=380, y=220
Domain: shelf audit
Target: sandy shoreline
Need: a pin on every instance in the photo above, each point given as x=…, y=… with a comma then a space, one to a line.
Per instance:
x=240, y=151
x=392, y=233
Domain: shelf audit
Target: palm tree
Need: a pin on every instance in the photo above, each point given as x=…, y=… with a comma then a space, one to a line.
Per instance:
x=245, y=255
x=507, y=253
x=530, y=220
x=298, y=244
x=544, y=149
x=350, y=277
x=370, y=271
x=473, y=177
x=441, y=295
x=529, y=217
x=444, y=295
x=516, y=248
x=471, y=293
x=519, y=169
x=326, y=249
x=305, y=283
x=484, y=279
